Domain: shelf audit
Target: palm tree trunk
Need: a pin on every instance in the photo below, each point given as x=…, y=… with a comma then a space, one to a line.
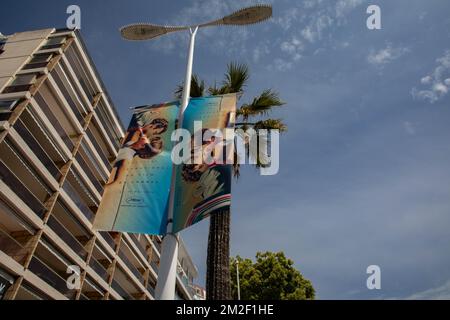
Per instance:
x=218, y=259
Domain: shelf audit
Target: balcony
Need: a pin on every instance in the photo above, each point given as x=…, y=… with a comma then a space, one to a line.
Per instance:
x=47, y=274
x=21, y=190
x=138, y=245
x=151, y=289
x=155, y=266
x=67, y=237
x=54, y=121
x=13, y=248
x=157, y=242
x=99, y=149
x=121, y=291
x=92, y=160
x=108, y=124
x=67, y=96
x=75, y=197
x=108, y=239
x=89, y=173
x=91, y=291
x=98, y=268
x=131, y=266
x=34, y=145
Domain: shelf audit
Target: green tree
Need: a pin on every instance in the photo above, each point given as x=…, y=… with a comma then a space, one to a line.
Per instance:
x=271, y=277
x=235, y=81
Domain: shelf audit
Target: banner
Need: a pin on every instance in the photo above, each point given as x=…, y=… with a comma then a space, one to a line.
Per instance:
x=136, y=197
x=204, y=189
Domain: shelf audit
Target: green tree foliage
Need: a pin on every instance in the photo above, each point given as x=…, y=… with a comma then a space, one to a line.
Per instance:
x=271, y=277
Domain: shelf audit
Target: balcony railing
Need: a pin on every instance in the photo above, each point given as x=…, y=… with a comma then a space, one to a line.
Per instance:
x=157, y=244
x=68, y=97
x=154, y=266
x=21, y=190
x=98, y=267
x=138, y=244
x=89, y=173
x=131, y=266
x=12, y=247
x=73, y=194
x=151, y=289
x=54, y=121
x=34, y=145
x=83, y=297
x=47, y=274
x=99, y=149
x=67, y=237
x=121, y=291
x=108, y=239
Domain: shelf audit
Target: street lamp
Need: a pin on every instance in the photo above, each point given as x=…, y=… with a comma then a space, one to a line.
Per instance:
x=165, y=288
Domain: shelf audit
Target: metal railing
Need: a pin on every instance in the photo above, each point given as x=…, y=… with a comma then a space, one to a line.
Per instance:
x=76, y=198
x=47, y=274
x=121, y=291
x=131, y=266
x=67, y=237
x=34, y=145
x=21, y=190
x=99, y=268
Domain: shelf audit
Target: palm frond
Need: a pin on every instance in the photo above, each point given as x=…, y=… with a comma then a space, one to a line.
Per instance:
x=197, y=88
x=260, y=105
x=235, y=79
x=271, y=124
x=214, y=91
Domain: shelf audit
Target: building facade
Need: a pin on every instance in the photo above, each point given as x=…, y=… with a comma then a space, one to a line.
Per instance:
x=59, y=134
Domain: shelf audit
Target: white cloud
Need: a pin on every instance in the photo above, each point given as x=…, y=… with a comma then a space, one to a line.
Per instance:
x=343, y=7
x=281, y=65
x=438, y=82
x=259, y=51
x=386, y=55
x=309, y=23
x=439, y=293
x=293, y=47
x=426, y=80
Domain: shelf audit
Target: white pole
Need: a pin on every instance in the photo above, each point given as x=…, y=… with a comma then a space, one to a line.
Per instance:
x=167, y=273
x=238, y=283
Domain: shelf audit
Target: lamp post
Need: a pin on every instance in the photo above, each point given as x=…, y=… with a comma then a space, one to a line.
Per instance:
x=165, y=288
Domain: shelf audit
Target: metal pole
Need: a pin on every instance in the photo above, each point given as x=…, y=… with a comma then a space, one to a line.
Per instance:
x=167, y=273
x=238, y=283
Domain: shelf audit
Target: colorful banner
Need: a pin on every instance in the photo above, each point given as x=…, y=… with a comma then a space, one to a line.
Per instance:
x=137, y=194
x=203, y=189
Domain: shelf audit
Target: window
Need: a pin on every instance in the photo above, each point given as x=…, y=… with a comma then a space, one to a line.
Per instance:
x=38, y=61
x=7, y=105
x=21, y=83
x=54, y=43
x=24, y=79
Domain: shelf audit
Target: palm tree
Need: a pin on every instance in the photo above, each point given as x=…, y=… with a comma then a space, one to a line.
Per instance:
x=218, y=255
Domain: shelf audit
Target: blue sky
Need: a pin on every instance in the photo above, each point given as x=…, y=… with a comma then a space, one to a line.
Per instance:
x=364, y=176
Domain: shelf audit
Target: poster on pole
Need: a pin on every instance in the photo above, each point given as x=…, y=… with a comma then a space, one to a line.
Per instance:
x=204, y=189
x=136, y=197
